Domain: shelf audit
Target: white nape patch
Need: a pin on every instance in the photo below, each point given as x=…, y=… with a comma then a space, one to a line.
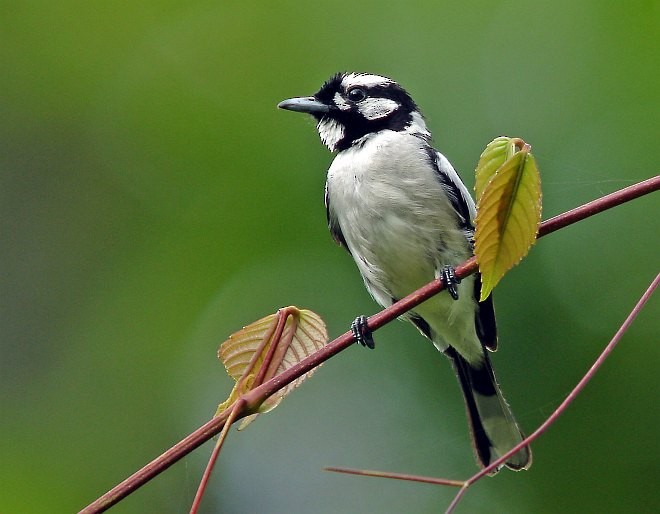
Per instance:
x=364, y=80
x=376, y=108
x=341, y=104
x=418, y=126
x=331, y=132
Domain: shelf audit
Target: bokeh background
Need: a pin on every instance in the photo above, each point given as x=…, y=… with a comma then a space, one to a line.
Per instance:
x=154, y=200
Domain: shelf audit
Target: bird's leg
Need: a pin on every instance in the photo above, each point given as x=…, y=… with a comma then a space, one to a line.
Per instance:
x=450, y=280
x=362, y=333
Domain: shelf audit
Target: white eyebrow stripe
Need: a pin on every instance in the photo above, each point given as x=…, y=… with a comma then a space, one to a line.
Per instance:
x=364, y=80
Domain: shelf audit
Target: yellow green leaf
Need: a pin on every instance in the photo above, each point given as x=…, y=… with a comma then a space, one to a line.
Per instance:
x=267, y=348
x=496, y=152
x=508, y=212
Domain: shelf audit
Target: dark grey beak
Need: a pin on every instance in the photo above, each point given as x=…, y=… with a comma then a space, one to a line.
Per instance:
x=307, y=104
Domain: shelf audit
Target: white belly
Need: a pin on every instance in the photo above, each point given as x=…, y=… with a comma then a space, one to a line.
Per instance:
x=401, y=229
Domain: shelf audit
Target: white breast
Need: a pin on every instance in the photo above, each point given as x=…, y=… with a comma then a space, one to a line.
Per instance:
x=401, y=230
x=393, y=213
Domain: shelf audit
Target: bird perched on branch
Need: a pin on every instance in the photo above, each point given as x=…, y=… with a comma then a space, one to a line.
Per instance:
x=402, y=212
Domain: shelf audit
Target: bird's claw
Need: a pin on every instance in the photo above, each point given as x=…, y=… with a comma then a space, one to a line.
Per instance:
x=450, y=281
x=362, y=333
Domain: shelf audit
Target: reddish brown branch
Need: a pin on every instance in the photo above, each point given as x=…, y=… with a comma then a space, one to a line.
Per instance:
x=567, y=401
x=397, y=476
x=599, y=205
x=256, y=397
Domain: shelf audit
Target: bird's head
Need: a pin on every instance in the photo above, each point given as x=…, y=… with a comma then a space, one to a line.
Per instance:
x=351, y=106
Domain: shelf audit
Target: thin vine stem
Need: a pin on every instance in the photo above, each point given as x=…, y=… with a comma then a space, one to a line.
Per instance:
x=235, y=409
x=567, y=401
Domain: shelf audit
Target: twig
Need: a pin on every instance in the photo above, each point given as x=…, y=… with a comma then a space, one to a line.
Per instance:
x=236, y=408
x=256, y=397
x=600, y=204
x=567, y=401
x=397, y=476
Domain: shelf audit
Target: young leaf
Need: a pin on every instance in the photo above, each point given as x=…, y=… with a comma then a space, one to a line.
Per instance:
x=496, y=152
x=268, y=347
x=508, y=209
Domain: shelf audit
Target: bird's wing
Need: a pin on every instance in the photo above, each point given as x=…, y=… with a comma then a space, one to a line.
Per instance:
x=461, y=200
x=484, y=320
x=458, y=194
x=333, y=224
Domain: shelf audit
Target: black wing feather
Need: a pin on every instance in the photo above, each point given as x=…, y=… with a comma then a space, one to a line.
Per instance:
x=454, y=194
x=484, y=321
x=333, y=224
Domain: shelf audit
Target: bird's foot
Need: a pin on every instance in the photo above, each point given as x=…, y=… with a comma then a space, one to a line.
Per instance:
x=362, y=333
x=450, y=281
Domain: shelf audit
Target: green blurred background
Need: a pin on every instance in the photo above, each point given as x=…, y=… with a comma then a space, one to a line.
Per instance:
x=154, y=200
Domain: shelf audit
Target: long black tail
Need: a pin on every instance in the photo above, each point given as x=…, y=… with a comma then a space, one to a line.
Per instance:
x=493, y=427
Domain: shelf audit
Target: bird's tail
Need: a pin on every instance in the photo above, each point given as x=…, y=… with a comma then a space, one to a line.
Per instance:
x=493, y=427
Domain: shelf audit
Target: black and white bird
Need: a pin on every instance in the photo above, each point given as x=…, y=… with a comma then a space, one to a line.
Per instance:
x=401, y=210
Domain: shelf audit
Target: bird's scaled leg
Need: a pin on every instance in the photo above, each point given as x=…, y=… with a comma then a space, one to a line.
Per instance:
x=362, y=333
x=450, y=280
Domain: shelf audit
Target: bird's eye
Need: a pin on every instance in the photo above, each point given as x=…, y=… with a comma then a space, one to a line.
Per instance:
x=356, y=94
